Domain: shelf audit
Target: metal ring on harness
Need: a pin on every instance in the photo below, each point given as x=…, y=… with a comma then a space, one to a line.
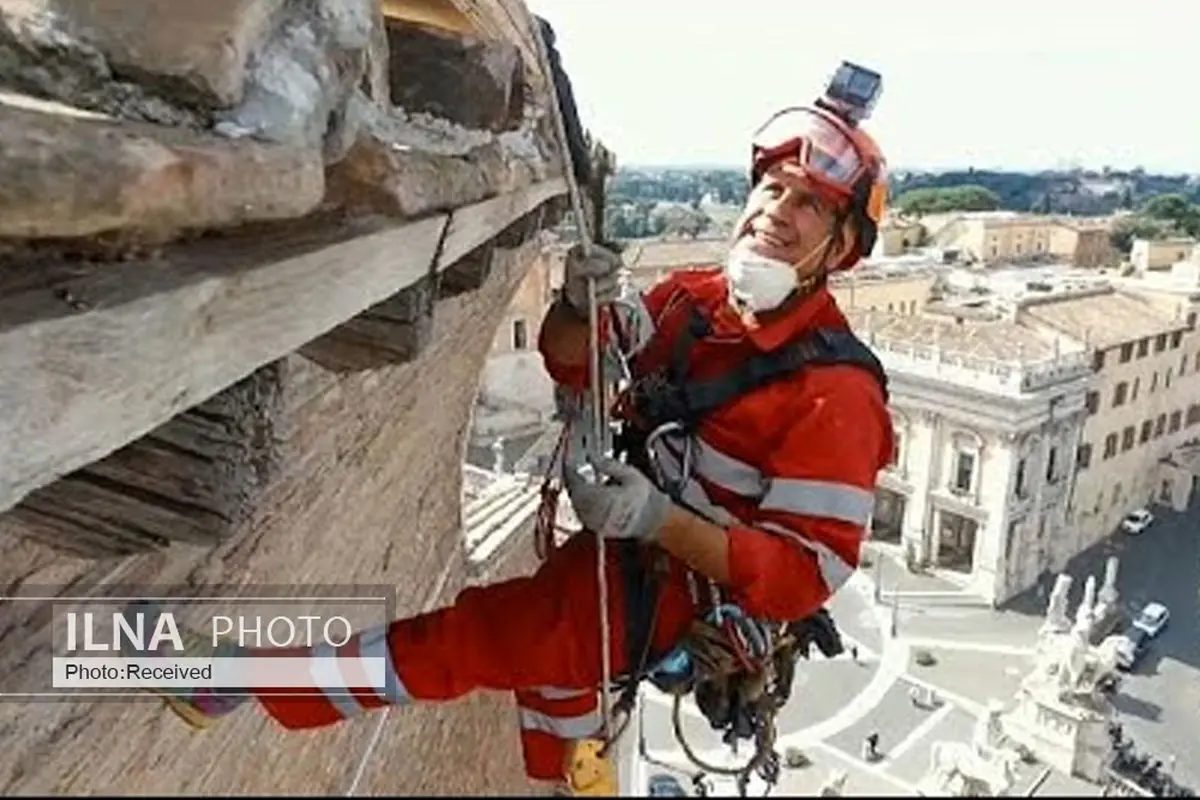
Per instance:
x=673, y=487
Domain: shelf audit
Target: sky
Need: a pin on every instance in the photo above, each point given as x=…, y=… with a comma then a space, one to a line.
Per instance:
x=1015, y=84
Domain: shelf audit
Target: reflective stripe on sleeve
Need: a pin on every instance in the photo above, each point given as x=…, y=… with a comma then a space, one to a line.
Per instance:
x=711, y=464
x=834, y=569
x=819, y=499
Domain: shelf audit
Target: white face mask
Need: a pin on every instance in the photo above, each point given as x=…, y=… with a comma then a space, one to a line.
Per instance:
x=760, y=283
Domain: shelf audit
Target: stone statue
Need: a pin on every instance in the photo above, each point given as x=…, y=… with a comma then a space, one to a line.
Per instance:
x=988, y=731
x=1056, y=608
x=1084, y=616
x=1108, y=592
x=834, y=785
x=955, y=770
x=498, y=455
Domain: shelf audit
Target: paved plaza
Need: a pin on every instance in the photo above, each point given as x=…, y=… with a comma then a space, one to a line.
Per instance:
x=980, y=654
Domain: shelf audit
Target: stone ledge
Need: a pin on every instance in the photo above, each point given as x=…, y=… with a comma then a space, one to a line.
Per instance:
x=66, y=176
x=142, y=341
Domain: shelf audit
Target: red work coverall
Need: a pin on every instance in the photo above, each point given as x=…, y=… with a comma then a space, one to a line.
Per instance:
x=790, y=468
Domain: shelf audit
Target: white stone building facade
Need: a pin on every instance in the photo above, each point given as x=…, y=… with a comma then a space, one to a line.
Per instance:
x=985, y=446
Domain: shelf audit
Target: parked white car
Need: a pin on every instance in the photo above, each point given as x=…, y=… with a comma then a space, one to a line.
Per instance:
x=1152, y=619
x=1137, y=521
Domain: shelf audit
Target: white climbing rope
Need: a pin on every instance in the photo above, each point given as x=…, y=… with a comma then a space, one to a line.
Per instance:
x=600, y=422
x=431, y=600
x=597, y=387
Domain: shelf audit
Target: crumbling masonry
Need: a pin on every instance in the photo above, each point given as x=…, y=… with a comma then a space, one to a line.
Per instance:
x=252, y=256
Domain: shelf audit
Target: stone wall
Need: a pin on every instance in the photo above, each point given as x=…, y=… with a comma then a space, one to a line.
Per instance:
x=244, y=306
x=370, y=497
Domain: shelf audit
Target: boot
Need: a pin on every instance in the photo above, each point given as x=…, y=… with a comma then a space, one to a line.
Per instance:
x=202, y=706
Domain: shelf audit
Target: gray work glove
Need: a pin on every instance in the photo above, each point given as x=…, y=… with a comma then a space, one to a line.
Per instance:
x=603, y=265
x=625, y=506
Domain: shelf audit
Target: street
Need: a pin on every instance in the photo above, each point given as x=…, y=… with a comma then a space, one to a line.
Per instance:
x=979, y=654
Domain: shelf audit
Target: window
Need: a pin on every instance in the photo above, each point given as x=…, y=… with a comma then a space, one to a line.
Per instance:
x=1182, y=364
x=1092, y=401
x=1021, y=478
x=1127, y=438
x=1176, y=421
x=1134, y=391
x=1120, y=394
x=1153, y=382
x=1193, y=414
x=1110, y=446
x=1191, y=321
x=1116, y=501
x=1083, y=457
x=1126, y=353
x=1051, y=460
x=1167, y=382
x=964, y=471
x=1176, y=339
x=1196, y=363
x=1159, y=425
x=1098, y=360
x=520, y=336
x=1143, y=347
x=1160, y=343
x=1147, y=429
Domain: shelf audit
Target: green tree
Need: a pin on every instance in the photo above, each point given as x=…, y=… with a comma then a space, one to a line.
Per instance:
x=1175, y=209
x=932, y=200
x=1125, y=230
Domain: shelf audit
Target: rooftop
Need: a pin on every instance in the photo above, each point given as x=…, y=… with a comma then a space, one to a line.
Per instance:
x=1102, y=318
x=999, y=340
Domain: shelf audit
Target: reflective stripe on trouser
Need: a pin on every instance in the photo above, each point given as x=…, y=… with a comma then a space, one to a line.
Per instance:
x=550, y=719
x=533, y=631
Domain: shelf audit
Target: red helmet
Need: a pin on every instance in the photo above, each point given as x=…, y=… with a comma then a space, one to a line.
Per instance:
x=839, y=159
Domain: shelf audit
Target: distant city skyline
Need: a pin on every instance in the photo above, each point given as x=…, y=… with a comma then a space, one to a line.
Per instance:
x=1022, y=85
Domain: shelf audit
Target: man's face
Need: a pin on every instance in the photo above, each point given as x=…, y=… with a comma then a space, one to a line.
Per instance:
x=786, y=221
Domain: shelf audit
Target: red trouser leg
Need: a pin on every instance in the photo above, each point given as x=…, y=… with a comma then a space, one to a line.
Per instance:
x=538, y=636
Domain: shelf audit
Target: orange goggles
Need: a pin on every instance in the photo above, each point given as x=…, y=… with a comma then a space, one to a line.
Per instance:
x=822, y=145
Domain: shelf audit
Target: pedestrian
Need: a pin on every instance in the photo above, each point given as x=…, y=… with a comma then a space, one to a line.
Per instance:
x=871, y=747
x=764, y=497
x=854, y=653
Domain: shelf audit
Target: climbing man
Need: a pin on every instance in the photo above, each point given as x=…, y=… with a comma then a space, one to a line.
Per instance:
x=754, y=428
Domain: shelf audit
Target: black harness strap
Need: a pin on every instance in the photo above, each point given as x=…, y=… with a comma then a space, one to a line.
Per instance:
x=670, y=395
x=823, y=347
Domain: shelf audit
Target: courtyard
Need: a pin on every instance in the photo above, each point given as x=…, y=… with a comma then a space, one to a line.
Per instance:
x=979, y=654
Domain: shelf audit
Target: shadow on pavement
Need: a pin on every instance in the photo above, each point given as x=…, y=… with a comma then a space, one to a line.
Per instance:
x=1128, y=706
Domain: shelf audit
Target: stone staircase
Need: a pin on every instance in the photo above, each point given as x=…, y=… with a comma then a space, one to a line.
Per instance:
x=504, y=507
